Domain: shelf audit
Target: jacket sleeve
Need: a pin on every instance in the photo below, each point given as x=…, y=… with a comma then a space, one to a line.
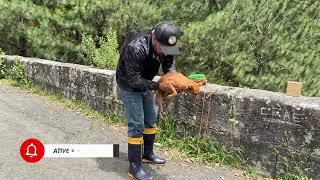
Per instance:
x=168, y=65
x=134, y=67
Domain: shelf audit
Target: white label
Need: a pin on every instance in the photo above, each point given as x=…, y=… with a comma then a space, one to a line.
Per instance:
x=78, y=150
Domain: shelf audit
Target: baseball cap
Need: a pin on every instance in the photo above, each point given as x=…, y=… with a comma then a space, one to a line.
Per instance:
x=167, y=34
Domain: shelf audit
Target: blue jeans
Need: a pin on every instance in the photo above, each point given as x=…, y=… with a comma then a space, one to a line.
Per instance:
x=140, y=111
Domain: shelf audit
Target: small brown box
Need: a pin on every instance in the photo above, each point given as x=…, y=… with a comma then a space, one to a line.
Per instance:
x=294, y=88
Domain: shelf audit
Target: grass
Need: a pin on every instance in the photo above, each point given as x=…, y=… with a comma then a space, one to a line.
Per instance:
x=290, y=177
x=201, y=149
x=293, y=167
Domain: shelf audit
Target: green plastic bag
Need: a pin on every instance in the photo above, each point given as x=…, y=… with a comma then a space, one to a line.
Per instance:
x=197, y=76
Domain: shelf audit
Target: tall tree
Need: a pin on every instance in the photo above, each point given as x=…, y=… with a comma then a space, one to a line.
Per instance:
x=257, y=44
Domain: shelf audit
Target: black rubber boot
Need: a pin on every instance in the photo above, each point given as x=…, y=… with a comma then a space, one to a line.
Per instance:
x=148, y=155
x=134, y=156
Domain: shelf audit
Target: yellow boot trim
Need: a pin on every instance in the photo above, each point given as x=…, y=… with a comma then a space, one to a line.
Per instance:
x=150, y=131
x=135, y=140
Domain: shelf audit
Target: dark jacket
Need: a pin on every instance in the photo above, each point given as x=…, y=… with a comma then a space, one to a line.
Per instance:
x=139, y=64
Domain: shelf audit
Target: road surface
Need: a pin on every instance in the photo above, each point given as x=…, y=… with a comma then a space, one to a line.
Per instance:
x=24, y=115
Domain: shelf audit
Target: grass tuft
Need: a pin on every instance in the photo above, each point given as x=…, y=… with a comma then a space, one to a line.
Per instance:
x=204, y=150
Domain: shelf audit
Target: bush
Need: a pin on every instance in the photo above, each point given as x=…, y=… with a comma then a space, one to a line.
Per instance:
x=16, y=72
x=2, y=66
x=106, y=55
x=52, y=29
x=2, y=69
x=133, y=16
x=257, y=44
x=188, y=11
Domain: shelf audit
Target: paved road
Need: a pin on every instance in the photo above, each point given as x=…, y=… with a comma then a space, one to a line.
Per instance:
x=24, y=115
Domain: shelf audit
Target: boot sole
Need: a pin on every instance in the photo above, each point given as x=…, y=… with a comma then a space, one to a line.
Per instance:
x=131, y=176
x=150, y=162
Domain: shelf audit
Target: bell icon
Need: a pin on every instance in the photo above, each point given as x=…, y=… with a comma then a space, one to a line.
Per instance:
x=31, y=150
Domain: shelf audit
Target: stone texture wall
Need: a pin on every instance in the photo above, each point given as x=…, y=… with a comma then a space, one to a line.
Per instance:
x=94, y=87
x=270, y=128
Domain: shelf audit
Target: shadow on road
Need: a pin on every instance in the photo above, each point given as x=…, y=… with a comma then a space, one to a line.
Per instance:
x=120, y=165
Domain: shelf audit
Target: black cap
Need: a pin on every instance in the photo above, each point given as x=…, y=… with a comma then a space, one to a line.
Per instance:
x=167, y=34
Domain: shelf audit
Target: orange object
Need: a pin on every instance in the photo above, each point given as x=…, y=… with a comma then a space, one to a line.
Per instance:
x=178, y=82
x=294, y=88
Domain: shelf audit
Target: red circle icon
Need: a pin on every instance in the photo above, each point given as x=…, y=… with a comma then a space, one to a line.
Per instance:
x=32, y=150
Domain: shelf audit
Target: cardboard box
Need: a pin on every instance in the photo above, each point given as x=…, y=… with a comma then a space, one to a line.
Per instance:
x=294, y=88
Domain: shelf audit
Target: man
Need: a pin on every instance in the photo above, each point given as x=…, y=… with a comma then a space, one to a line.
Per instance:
x=140, y=59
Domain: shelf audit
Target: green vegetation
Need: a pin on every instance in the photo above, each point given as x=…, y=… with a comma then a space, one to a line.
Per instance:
x=294, y=178
x=106, y=55
x=201, y=149
x=258, y=44
x=2, y=69
x=255, y=44
x=294, y=166
x=16, y=73
x=52, y=29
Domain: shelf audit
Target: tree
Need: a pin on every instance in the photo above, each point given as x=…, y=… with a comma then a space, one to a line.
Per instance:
x=257, y=44
x=52, y=29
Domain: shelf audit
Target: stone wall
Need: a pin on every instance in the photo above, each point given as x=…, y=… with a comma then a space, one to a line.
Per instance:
x=270, y=128
x=94, y=87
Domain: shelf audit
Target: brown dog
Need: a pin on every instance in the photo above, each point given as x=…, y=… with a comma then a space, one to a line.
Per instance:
x=178, y=82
